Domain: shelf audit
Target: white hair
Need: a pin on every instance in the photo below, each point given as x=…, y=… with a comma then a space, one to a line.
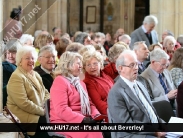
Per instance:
x=23, y=51
x=37, y=33
x=151, y=19
x=138, y=44
x=158, y=54
x=167, y=38
x=124, y=37
x=25, y=37
x=49, y=48
x=99, y=34
x=121, y=59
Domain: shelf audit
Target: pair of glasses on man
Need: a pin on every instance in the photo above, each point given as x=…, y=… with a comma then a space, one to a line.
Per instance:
x=132, y=65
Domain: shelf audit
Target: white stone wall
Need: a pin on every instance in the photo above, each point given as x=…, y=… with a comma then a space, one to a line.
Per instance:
x=169, y=14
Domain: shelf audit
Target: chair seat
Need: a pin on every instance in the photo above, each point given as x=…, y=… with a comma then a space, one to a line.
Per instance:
x=164, y=110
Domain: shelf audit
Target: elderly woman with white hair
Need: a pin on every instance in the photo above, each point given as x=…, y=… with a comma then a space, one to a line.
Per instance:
x=26, y=92
x=69, y=102
x=27, y=40
x=169, y=45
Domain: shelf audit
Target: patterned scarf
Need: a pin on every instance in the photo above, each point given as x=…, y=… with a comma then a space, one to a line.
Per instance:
x=85, y=104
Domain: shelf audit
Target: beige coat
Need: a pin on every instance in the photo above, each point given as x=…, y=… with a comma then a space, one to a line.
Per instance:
x=26, y=96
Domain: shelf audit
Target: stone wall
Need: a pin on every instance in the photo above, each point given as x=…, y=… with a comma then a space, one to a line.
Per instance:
x=169, y=14
x=51, y=13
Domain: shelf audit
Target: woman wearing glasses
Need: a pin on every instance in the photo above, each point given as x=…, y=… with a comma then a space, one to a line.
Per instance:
x=26, y=92
x=97, y=82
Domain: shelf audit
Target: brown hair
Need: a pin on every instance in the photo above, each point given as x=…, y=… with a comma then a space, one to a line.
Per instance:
x=151, y=47
x=42, y=40
x=61, y=45
x=177, y=59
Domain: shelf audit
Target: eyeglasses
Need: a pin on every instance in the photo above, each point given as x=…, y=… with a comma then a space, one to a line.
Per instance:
x=48, y=57
x=92, y=65
x=163, y=65
x=132, y=65
x=29, y=59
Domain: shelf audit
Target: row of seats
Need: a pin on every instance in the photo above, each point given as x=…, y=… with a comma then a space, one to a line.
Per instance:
x=163, y=109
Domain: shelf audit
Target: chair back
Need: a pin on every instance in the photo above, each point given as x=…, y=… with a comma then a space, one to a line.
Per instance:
x=164, y=110
x=47, y=114
x=5, y=95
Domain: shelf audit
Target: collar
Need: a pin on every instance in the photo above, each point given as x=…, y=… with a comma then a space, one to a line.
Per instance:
x=143, y=28
x=127, y=81
x=155, y=73
x=139, y=63
x=45, y=70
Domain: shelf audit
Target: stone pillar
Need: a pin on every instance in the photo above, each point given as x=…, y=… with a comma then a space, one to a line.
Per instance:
x=169, y=16
x=42, y=22
x=127, y=14
x=63, y=15
x=29, y=16
x=1, y=74
x=57, y=15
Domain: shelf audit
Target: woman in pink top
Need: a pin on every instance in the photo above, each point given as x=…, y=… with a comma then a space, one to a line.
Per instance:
x=69, y=102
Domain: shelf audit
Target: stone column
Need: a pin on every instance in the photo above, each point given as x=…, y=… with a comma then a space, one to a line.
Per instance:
x=169, y=16
x=1, y=74
x=57, y=15
x=127, y=14
x=62, y=15
x=42, y=22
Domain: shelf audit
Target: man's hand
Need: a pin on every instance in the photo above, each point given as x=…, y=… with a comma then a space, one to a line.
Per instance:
x=160, y=134
x=172, y=94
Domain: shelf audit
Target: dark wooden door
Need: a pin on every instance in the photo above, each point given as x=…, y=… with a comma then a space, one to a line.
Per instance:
x=141, y=10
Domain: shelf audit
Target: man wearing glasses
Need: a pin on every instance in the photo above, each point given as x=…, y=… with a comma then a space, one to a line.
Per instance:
x=129, y=101
x=47, y=59
x=159, y=77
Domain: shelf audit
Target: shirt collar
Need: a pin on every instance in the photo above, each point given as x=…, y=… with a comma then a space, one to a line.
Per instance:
x=139, y=63
x=143, y=28
x=155, y=73
x=127, y=81
x=45, y=70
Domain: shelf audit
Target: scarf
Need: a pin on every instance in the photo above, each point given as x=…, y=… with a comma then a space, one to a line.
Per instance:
x=84, y=99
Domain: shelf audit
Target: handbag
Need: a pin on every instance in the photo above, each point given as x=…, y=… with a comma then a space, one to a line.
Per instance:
x=7, y=113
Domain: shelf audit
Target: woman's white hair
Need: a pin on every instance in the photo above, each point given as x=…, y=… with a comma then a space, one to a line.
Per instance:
x=168, y=38
x=158, y=54
x=23, y=51
x=25, y=37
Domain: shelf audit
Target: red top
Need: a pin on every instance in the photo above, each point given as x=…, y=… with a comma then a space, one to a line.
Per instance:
x=98, y=89
x=110, y=70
